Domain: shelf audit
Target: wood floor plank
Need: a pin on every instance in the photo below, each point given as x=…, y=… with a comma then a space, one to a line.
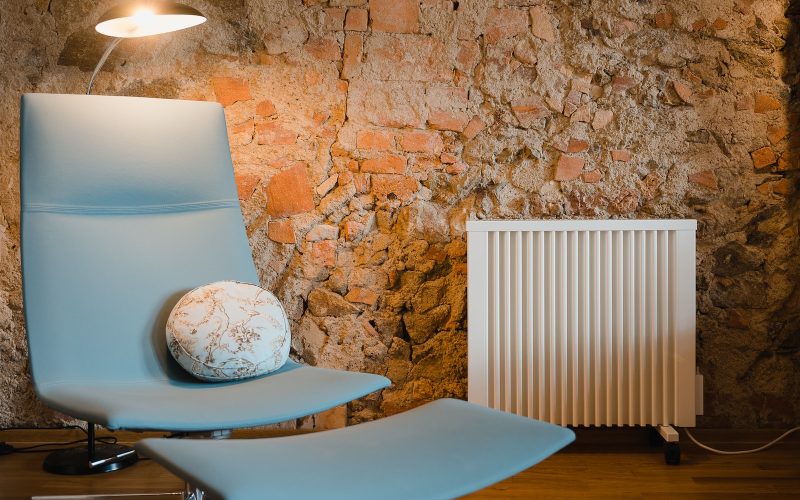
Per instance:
x=587, y=470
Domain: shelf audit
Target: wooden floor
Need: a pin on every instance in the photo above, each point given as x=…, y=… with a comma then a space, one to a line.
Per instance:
x=611, y=463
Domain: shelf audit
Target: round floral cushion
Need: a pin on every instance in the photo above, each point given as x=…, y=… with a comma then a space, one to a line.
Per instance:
x=227, y=331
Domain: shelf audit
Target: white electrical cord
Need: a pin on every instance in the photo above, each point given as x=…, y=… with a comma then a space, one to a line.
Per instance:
x=740, y=452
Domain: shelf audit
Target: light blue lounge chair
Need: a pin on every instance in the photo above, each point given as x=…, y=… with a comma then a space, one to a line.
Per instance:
x=127, y=203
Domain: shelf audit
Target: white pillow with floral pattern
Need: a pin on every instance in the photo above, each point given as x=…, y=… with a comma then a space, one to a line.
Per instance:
x=228, y=330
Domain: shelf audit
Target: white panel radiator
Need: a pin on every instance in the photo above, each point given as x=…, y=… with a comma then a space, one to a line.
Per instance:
x=583, y=322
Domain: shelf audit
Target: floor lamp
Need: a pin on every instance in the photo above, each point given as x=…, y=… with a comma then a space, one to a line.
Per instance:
x=143, y=18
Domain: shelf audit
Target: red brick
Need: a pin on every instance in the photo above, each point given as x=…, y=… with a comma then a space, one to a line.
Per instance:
x=663, y=19
x=706, y=178
x=529, y=110
x=229, y=90
x=683, y=90
x=456, y=168
x=323, y=48
x=353, y=47
x=324, y=252
x=400, y=186
x=783, y=187
x=448, y=158
x=569, y=167
x=505, y=23
x=776, y=133
x=474, y=127
x=394, y=16
x=622, y=155
x=421, y=141
x=243, y=128
x=763, y=157
x=246, y=184
x=289, y=192
x=389, y=164
x=356, y=20
x=425, y=164
x=577, y=145
x=334, y=19
x=377, y=140
x=786, y=162
x=622, y=83
x=345, y=178
x=571, y=103
x=265, y=108
x=542, y=23
x=282, y=231
x=719, y=24
x=362, y=295
x=448, y=120
x=273, y=133
x=592, y=177
x=469, y=54
x=765, y=103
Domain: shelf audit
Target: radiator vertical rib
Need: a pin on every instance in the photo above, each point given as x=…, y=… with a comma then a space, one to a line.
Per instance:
x=583, y=322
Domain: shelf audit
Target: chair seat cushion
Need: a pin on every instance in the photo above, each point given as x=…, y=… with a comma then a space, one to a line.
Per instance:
x=444, y=449
x=228, y=330
x=184, y=403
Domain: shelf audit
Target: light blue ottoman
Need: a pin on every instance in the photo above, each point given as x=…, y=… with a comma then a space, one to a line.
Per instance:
x=443, y=449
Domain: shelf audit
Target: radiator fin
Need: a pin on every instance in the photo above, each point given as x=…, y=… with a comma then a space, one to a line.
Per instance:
x=581, y=326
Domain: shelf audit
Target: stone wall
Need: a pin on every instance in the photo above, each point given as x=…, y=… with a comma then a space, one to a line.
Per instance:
x=365, y=133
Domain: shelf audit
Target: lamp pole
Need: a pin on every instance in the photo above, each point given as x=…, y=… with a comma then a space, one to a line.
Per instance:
x=102, y=61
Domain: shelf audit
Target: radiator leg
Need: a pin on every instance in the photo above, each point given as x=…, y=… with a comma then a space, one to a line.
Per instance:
x=672, y=450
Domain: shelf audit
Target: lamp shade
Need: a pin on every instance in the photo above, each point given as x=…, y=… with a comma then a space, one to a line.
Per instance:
x=145, y=18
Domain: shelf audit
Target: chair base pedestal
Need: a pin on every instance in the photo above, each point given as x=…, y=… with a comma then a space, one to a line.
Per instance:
x=75, y=461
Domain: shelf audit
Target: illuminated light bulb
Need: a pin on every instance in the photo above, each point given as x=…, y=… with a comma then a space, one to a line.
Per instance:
x=142, y=19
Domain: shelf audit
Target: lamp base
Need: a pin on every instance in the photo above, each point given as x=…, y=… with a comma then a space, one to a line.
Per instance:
x=75, y=461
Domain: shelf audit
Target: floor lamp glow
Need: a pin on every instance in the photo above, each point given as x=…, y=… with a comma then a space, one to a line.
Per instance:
x=144, y=18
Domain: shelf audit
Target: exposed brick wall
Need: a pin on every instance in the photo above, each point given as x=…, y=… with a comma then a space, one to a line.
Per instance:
x=365, y=133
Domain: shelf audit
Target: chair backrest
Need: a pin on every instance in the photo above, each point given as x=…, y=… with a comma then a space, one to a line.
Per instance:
x=127, y=203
